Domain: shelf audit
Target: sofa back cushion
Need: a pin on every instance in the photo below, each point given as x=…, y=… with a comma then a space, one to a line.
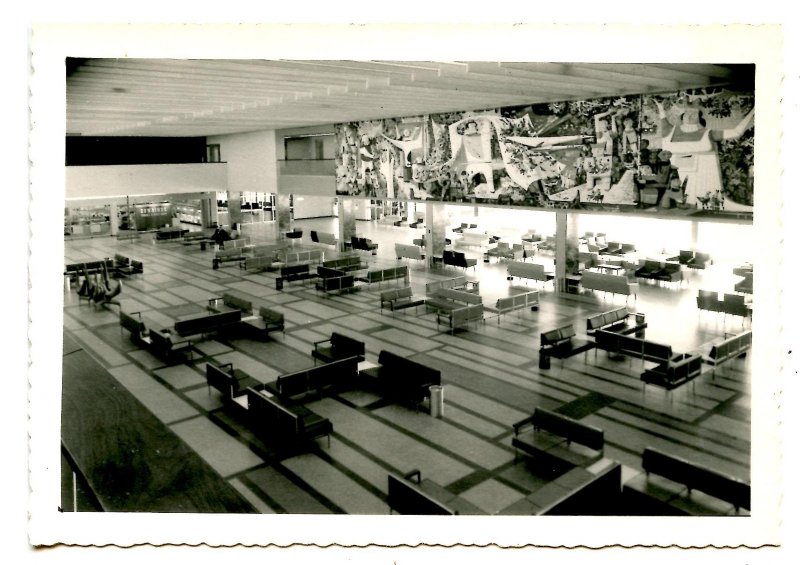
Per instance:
x=344, y=344
x=566, y=427
x=270, y=316
x=239, y=303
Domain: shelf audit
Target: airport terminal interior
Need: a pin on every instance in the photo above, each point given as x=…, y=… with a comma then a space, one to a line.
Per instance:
x=397, y=303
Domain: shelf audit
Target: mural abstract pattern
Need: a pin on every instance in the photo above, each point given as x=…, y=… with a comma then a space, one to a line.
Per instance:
x=684, y=153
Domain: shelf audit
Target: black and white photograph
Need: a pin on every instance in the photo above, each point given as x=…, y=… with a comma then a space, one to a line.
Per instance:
x=329, y=284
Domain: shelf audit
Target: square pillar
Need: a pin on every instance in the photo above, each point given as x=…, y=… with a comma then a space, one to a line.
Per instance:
x=113, y=218
x=347, y=221
x=234, y=208
x=566, y=248
x=435, y=230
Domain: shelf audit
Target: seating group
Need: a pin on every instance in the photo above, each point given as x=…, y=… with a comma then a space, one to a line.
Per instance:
x=457, y=259
x=503, y=251
x=322, y=237
x=532, y=271
x=614, y=321
x=402, y=379
x=658, y=271
x=298, y=272
x=227, y=255
x=403, y=250
x=312, y=383
x=617, y=343
x=347, y=263
x=381, y=275
x=557, y=440
x=456, y=283
x=729, y=348
x=338, y=346
x=733, y=304
x=515, y=302
x=561, y=343
x=615, y=284
x=267, y=320
x=675, y=371
x=692, y=259
x=399, y=299
x=671, y=485
x=363, y=244
x=456, y=306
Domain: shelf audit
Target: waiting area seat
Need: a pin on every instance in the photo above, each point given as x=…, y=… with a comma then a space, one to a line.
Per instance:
x=558, y=440
x=401, y=379
x=399, y=299
x=458, y=259
x=672, y=485
x=561, y=343
x=338, y=346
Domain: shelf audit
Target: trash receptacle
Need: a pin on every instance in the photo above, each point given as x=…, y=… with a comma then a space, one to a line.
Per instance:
x=279, y=283
x=437, y=401
x=544, y=361
x=640, y=322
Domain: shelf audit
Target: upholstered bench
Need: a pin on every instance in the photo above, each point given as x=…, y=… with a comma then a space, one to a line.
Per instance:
x=400, y=298
x=558, y=439
x=267, y=320
x=338, y=346
x=672, y=485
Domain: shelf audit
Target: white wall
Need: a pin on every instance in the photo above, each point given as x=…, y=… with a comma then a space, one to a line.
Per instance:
x=251, y=159
x=313, y=207
x=121, y=180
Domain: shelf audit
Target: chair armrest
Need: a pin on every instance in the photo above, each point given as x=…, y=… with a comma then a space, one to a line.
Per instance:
x=317, y=343
x=522, y=423
x=416, y=473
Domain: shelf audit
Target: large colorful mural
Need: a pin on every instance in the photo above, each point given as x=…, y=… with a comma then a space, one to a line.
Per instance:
x=687, y=152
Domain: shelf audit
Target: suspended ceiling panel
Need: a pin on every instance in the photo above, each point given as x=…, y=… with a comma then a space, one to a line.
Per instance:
x=170, y=97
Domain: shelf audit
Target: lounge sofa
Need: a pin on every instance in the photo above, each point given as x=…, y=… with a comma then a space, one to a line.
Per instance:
x=338, y=346
x=674, y=372
x=229, y=302
x=614, y=321
x=457, y=283
x=558, y=441
x=458, y=259
x=402, y=379
x=399, y=299
x=363, y=244
x=284, y=426
x=297, y=257
x=730, y=348
x=445, y=300
x=516, y=302
x=299, y=272
x=227, y=255
x=314, y=382
x=337, y=284
x=379, y=276
x=615, y=284
x=258, y=263
x=505, y=251
x=168, y=346
x=231, y=382
x=460, y=317
x=672, y=485
x=347, y=263
x=137, y=328
x=731, y=304
x=633, y=346
x=658, y=271
x=561, y=343
x=403, y=250
x=207, y=323
x=267, y=320
x=324, y=238
x=472, y=238
x=532, y=271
